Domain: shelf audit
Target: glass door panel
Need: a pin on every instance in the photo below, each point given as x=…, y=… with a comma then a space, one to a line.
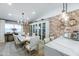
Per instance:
x=43, y=30
x=33, y=28
x=30, y=29
x=40, y=30
x=36, y=29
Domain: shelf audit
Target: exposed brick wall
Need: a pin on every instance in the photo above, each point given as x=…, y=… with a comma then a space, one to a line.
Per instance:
x=57, y=26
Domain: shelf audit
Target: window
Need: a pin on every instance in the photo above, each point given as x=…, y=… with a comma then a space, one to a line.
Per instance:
x=9, y=27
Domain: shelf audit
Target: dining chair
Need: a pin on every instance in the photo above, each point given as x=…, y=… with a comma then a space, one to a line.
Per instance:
x=34, y=41
x=46, y=40
x=17, y=43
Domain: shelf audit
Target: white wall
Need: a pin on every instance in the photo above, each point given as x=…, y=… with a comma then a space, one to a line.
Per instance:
x=2, y=31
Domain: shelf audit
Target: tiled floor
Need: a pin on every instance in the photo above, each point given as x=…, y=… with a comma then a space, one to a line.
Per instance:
x=9, y=49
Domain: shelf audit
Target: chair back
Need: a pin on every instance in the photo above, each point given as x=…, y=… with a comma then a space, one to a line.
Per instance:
x=16, y=39
x=34, y=42
x=46, y=40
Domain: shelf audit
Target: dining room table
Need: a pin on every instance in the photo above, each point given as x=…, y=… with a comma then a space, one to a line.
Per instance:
x=23, y=39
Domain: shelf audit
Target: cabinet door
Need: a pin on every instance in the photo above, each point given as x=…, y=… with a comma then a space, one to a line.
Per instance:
x=40, y=30
x=43, y=30
x=30, y=29
x=33, y=28
x=36, y=29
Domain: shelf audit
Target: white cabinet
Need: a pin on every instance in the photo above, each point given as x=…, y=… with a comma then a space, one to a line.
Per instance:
x=40, y=28
x=2, y=31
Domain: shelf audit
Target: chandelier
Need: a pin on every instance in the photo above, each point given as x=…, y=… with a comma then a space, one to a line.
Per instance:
x=21, y=19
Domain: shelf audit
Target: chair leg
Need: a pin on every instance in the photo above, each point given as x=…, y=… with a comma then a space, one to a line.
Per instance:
x=28, y=52
x=17, y=45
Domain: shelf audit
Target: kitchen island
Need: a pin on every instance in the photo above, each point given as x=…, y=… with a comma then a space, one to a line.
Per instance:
x=62, y=47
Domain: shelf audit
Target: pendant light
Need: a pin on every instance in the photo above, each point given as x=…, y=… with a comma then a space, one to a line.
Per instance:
x=64, y=14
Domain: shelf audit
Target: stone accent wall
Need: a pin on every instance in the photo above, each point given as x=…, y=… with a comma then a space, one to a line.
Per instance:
x=57, y=26
x=74, y=15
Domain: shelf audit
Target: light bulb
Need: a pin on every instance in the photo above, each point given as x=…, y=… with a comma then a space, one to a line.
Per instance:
x=65, y=16
x=33, y=12
x=10, y=4
x=10, y=14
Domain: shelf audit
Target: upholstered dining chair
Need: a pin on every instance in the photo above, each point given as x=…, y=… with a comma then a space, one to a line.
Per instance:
x=17, y=43
x=34, y=41
x=33, y=34
x=46, y=40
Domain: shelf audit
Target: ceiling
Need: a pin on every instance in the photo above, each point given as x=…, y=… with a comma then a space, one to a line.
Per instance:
x=32, y=11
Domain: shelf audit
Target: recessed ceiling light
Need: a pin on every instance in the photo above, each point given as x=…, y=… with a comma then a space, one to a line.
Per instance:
x=10, y=4
x=27, y=18
x=33, y=12
x=10, y=14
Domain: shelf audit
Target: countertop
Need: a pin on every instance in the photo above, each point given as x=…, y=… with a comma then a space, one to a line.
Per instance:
x=64, y=45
